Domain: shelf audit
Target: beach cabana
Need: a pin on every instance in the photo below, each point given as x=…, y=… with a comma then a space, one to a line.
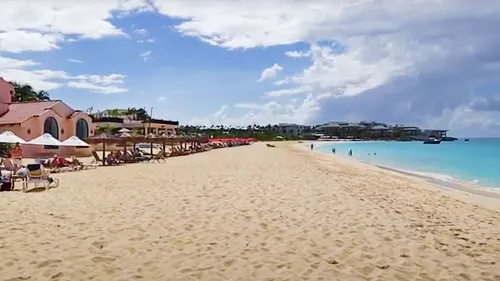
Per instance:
x=75, y=141
x=45, y=139
x=103, y=139
x=124, y=130
x=10, y=137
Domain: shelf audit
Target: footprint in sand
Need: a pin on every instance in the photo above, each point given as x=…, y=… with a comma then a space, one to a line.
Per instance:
x=99, y=259
x=229, y=263
x=48, y=263
x=138, y=238
x=20, y=278
x=99, y=244
x=57, y=276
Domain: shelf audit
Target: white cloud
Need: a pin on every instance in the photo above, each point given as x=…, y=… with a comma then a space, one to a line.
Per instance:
x=75, y=61
x=348, y=74
x=24, y=71
x=296, y=54
x=104, y=84
x=150, y=40
x=18, y=41
x=40, y=25
x=271, y=112
x=366, y=47
x=287, y=92
x=141, y=31
x=96, y=88
x=270, y=72
x=145, y=55
x=247, y=26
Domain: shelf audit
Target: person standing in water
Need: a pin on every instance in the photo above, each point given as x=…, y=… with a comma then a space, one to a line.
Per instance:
x=312, y=146
x=333, y=150
x=350, y=152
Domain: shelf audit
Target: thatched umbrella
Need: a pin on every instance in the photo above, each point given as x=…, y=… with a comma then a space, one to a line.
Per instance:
x=152, y=138
x=103, y=138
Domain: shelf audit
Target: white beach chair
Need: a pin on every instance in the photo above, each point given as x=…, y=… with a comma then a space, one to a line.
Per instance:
x=37, y=175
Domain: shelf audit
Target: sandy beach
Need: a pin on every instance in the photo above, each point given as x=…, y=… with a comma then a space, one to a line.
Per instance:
x=248, y=213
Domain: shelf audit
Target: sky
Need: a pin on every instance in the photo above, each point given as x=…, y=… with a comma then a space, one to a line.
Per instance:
x=428, y=63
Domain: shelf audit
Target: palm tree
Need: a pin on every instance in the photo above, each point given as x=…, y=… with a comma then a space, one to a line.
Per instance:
x=108, y=129
x=113, y=112
x=142, y=114
x=42, y=95
x=24, y=92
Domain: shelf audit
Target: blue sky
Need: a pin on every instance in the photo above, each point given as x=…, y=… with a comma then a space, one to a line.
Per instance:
x=229, y=62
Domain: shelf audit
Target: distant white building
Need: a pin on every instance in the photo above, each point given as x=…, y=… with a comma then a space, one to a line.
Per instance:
x=291, y=130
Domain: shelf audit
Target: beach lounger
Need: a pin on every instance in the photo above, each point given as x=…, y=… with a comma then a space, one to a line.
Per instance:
x=178, y=152
x=126, y=158
x=159, y=156
x=88, y=166
x=138, y=158
x=37, y=175
x=83, y=166
x=97, y=160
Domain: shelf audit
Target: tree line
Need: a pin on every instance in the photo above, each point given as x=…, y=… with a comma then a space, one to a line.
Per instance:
x=260, y=132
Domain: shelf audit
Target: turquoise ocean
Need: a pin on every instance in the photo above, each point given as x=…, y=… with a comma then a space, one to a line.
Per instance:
x=474, y=162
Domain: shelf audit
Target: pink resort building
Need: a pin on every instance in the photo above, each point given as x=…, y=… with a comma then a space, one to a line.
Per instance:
x=29, y=120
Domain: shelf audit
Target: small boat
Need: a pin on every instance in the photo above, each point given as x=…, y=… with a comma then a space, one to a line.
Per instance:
x=466, y=139
x=432, y=141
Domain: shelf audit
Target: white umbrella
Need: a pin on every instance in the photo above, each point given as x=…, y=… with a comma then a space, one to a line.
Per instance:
x=75, y=141
x=46, y=139
x=124, y=130
x=10, y=137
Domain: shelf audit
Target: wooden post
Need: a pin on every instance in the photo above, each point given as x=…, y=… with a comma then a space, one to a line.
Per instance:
x=104, y=153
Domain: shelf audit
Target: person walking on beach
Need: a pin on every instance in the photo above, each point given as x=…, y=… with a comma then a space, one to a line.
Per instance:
x=333, y=150
x=350, y=152
x=312, y=146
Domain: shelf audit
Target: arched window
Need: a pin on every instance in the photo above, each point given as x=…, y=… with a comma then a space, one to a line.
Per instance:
x=82, y=129
x=50, y=126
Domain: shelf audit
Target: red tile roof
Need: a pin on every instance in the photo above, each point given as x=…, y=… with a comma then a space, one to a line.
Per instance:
x=5, y=83
x=22, y=111
x=76, y=112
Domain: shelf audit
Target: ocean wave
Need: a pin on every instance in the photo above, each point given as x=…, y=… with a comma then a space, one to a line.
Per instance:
x=449, y=181
x=433, y=175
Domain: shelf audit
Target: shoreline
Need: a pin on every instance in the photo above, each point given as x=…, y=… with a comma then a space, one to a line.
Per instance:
x=455, y=181
x=483, y=195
